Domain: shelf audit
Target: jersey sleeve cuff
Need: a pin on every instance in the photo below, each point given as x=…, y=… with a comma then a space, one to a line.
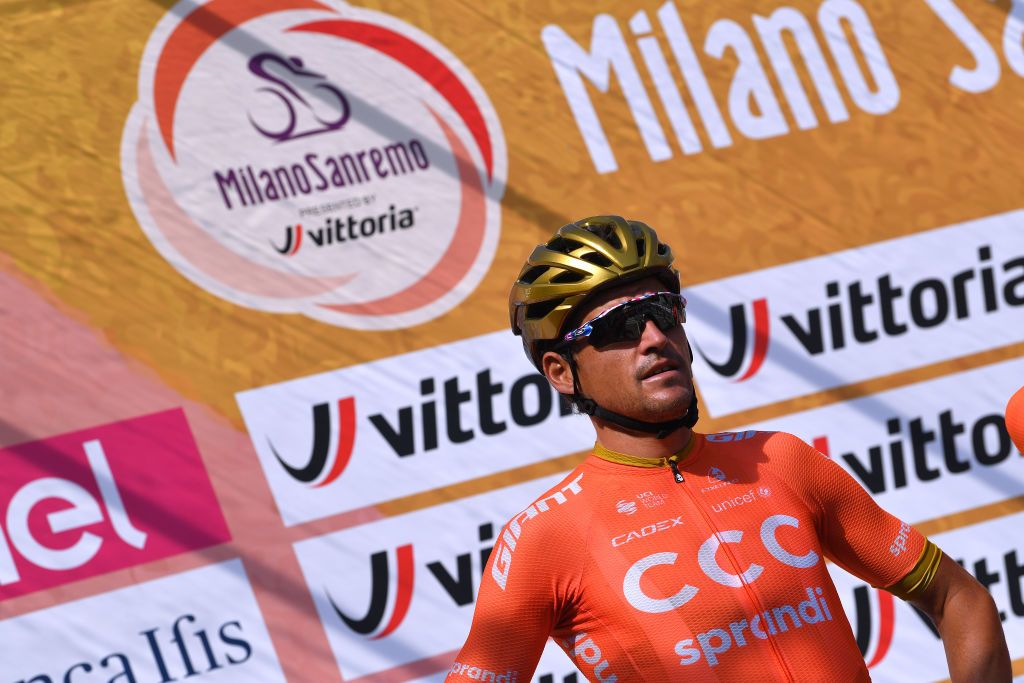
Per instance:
x=920, y=577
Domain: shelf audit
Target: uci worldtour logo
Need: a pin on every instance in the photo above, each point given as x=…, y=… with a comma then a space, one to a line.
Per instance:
x=345, y=127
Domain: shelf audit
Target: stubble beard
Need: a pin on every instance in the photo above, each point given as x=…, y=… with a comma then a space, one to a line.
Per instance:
x=664, y=408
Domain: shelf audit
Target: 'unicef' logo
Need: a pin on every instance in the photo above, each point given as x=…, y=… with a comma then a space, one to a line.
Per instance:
x=305, y=156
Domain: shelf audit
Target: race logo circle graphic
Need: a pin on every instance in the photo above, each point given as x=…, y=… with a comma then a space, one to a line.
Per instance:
x=300, y=156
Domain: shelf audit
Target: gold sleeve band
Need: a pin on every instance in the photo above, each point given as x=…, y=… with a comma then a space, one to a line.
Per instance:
x=920, y=577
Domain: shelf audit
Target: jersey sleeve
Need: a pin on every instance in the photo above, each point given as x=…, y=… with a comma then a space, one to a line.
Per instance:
x=855, y=532
x=527, y=581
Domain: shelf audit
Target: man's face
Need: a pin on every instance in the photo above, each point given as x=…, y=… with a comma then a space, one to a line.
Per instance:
x=648, y=379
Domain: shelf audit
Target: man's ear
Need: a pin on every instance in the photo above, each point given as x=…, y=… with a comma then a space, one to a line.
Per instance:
x=557, y=371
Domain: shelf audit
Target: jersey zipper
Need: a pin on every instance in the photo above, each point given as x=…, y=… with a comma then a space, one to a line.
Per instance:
x=677, y=475
x=675, y=471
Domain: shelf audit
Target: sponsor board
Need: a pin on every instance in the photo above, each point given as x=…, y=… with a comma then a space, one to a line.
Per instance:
x=925, y=450
x=897, y=641
x=382, y=589
x=308, y=156
x=354, y=437
x=756, y=115
x=200, y=625
x=833, y=320
x=100, y=499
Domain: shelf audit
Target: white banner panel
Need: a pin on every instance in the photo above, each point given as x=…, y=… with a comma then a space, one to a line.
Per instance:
x=898, y=643
x=203, y=625
x=401, y=591
x=354, y=437
x=925, y=450
x=833, y=320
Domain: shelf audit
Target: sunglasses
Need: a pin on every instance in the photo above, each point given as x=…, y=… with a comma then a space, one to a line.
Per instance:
x=626, y=321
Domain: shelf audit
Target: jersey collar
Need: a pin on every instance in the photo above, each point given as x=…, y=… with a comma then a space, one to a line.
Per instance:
x=636, y=461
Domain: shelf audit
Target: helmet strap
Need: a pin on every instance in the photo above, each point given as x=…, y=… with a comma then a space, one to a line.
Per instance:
x=660, y=429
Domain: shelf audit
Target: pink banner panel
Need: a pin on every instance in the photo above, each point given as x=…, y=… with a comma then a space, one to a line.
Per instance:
x=100, y=499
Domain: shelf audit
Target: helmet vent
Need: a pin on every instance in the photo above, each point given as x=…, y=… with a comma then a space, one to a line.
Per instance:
x=598, y=259
x=607, y=233
x=566, y=277
x=641, y=246
x=539, y=310
x=530, y=276
x=564, y=246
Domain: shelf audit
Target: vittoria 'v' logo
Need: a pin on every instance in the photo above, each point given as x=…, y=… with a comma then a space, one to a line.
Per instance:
x=737, y=359
x=381, y=588
x=323, y=435
x=292, y=241
x=875, y=623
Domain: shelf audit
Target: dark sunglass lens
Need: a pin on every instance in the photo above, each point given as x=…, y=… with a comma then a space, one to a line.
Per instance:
x=675, y=306
x=627, y=322
x=613, y=328
x=664, y=318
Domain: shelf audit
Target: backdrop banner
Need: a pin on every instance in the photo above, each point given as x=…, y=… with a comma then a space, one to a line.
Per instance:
x=262, y=414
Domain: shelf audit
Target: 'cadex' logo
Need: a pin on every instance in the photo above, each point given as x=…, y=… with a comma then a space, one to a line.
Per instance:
x=346, y=128
x=742, y=349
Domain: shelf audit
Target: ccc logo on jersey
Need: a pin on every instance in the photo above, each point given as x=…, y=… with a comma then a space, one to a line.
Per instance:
x=706, y=559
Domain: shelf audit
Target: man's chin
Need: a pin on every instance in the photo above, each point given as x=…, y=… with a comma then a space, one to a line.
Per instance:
x=663, y=409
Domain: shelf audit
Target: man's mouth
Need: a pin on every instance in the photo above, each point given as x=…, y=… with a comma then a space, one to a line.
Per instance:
x=658, y=368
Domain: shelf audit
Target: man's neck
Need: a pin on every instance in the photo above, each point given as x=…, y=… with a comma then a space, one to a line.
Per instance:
x=640, y=444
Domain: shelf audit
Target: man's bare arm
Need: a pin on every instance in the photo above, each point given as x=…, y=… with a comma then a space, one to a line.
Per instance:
x=968, y=621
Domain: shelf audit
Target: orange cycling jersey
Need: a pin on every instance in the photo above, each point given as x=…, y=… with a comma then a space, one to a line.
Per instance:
x=1015, y=419
x=712, y=569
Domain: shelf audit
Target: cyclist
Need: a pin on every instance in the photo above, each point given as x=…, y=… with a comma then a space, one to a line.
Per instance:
x=671, y=555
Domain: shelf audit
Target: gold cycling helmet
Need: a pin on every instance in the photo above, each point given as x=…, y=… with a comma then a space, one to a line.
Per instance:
x=582, y=258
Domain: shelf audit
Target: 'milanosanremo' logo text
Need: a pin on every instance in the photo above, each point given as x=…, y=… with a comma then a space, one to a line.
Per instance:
x=311, y=157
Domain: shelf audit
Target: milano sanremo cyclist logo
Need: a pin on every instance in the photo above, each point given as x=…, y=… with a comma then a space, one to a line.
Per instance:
x=303, y=156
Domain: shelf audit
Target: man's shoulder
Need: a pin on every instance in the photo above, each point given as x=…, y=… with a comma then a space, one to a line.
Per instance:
x=757, y=438
x=568, y=496
x=547, y=534
x=763, y=446
x=565, y=503
x=744, y=437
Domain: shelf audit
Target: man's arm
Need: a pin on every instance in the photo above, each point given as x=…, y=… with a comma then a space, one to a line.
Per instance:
x=506, y=639
x=513, y=618
x=526, y=580
x=870, y=543
x=968, y=621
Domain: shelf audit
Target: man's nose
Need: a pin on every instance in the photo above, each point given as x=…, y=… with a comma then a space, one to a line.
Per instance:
x=652, y=338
